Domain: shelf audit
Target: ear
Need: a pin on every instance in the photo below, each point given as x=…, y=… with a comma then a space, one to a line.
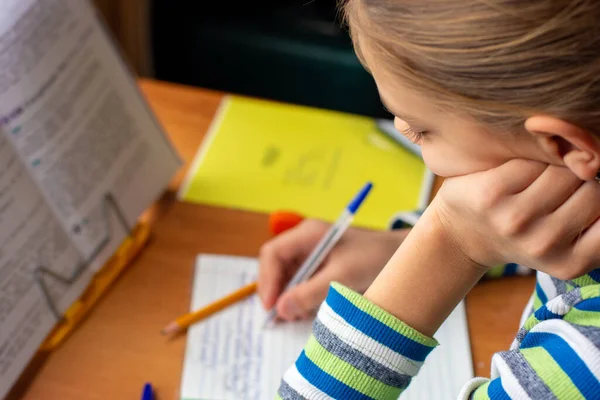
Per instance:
x=566, y=143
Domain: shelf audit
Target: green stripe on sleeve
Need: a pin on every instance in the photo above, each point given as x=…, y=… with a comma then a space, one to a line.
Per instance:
x=496, y=272
x=347, y=374
x=481, y=393
x=583, y=317
x=589, y=292
x=530, y=322
x=551, y=373
x=383, y=316
x=584, y=280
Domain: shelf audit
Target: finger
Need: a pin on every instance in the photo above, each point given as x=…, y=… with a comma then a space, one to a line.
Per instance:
x=306, y=297
x=280, y=257
x=587, y=246
x=577, y=213
x=548, y=192
x=516, y=175
x=497, y=183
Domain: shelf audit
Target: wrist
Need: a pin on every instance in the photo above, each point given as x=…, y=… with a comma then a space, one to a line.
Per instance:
x=426, y=278
x=469, y=244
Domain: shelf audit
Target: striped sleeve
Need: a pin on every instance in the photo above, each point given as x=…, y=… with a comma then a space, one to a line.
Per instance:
x=556, y=354
x=356, y=351
x=510, y=269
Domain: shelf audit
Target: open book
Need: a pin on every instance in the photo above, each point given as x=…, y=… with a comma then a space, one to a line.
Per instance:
x=81, y=157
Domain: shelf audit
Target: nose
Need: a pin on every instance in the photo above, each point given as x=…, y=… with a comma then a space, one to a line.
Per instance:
x=400, y=124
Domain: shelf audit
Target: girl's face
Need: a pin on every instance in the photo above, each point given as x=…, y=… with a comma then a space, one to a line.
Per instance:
x=452, y=145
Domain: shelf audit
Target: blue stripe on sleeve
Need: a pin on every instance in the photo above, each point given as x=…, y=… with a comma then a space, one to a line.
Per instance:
x=496, y=391
x=595, y=275
x=567, y=359
x=540, y=293
x=592, y=304
x=510, y=269
x=543, y=313
x=376, y=329
x=325, y=382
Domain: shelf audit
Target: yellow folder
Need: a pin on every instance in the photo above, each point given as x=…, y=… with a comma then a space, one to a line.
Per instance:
x=263, y=156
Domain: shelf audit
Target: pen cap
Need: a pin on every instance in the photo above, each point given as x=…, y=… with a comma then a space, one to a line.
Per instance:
x=359, y=198
x=148, y=392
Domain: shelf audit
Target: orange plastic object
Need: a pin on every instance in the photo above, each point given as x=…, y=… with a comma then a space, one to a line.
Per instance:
x=281, y=221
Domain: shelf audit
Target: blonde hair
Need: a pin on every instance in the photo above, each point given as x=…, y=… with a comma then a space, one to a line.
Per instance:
x=498, y=61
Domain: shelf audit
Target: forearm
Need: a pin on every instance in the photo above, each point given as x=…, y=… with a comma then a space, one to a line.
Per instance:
x=426, y=278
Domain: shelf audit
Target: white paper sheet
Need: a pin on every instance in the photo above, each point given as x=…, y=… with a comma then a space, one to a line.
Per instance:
x=449, y=366
x=229, y=356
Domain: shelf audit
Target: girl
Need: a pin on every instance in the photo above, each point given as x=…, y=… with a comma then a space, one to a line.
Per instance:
x=504, y=98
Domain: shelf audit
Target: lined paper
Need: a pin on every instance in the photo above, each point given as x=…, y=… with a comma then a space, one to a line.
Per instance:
x=230, y=356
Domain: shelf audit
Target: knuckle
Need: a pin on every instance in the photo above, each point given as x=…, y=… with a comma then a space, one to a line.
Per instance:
x=493, y=192
x=509, y=228
x=541, y=248
x=308, y=225
x=513, y=223
x=482, y=202
x=266, y=249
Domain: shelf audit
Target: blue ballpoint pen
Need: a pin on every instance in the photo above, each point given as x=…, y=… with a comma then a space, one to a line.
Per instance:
x=147, y=393
x=329, y=240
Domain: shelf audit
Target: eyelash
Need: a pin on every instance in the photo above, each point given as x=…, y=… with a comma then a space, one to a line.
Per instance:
x=410, y=133
x=415, y=136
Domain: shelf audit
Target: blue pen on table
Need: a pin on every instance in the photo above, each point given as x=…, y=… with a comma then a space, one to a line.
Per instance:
x=328, y=241
x=147, y=393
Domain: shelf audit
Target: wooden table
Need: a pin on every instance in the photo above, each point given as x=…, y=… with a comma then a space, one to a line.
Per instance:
x=119, y=347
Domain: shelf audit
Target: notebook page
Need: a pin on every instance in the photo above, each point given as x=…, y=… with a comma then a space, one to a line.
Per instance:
x=228, y=356
x=449, y=366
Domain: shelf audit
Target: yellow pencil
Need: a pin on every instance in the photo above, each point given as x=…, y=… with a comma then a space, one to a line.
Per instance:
x=186, y=320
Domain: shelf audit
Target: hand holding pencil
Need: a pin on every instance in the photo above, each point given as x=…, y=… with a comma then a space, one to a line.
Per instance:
x=306, y=270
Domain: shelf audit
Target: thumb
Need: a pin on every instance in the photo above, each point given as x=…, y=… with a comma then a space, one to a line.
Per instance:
x=278, y=259
x=304, y=298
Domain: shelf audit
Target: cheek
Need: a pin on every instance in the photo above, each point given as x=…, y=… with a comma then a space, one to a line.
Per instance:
x=437, y=162
x=448, y=161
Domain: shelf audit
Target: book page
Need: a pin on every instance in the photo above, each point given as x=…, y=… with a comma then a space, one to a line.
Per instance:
x=73, y=128
x=77, y=120
x=30, y=236
x=230, y=357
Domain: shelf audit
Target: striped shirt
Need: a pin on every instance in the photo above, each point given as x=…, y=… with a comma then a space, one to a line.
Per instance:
x=359, y=351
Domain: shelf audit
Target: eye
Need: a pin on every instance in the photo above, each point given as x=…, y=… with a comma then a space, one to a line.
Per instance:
x=413, y=135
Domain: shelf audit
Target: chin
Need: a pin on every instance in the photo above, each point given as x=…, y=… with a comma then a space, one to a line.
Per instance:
x=447, y=169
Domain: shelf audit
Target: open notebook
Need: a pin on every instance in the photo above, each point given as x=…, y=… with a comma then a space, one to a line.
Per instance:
x=230, y=356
